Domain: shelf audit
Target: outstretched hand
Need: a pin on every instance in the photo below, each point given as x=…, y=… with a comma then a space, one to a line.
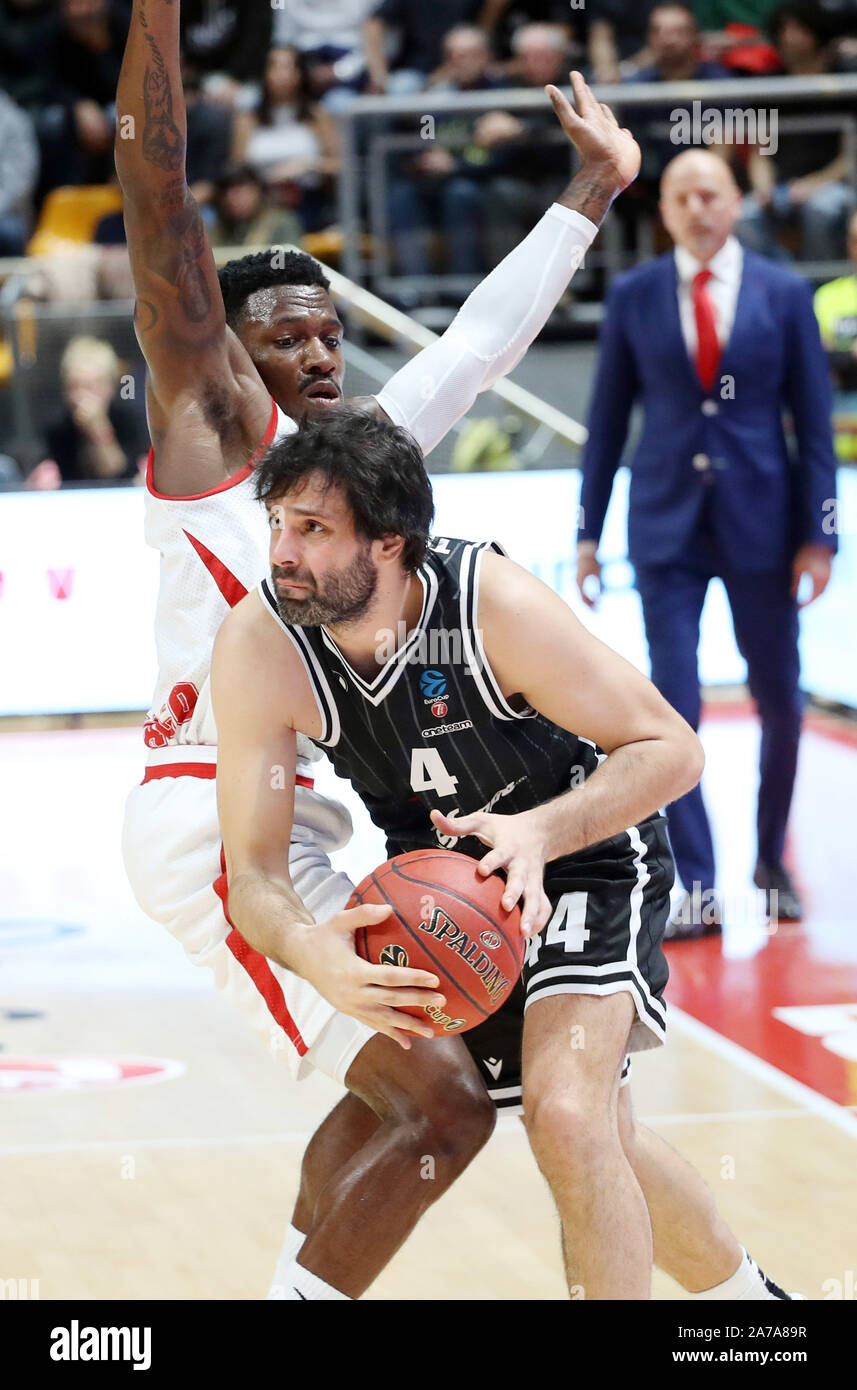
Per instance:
x=517, y=847
x=595, y=133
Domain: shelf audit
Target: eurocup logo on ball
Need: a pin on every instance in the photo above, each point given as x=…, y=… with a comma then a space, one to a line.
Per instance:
x=393, y=954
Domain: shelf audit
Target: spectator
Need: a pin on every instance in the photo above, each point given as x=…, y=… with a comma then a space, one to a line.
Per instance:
x=77, y=133
x=245, y=216
x=419, y=28
x=673, y=43
x=617, y=38
x=10, y=474
x=19, y=171
x=212, y=131
x=804, y=183
x=329, y=39
x=503, y=18
x=734, y=34
x=101, y=436
x=717, y=345
x=291, y=144
x=227, y=42
x=441, y=186
x=836, y=311
x=527, y=165
x=29, y=32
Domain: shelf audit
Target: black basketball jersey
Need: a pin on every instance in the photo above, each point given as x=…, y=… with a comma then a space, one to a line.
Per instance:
x=432, y=729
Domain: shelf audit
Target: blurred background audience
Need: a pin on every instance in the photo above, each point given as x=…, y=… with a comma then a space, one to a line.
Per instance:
x=244, y=214
x=291, y=142
x=100, y=436
x=836, y=311
x=19, y=172
x=808, y=184
x=441, y=195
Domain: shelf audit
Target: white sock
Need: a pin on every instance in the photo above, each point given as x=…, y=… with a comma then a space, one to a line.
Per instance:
x=746, y=1285
x=289, y=1253
x=301, y=1284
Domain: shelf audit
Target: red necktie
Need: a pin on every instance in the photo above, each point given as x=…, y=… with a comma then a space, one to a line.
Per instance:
x=708, y=347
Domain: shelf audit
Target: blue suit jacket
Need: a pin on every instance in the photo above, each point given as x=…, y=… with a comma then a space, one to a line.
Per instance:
x=729, y=445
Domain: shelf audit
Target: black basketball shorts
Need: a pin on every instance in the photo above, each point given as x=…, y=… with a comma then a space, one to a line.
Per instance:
x=610, y=908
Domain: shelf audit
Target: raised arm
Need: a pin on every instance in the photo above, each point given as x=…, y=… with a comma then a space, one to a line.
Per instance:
x=253, y=667
x=507, y=311
x=180, y=319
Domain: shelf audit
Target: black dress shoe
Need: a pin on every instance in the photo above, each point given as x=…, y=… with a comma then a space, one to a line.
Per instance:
x=694, y=916
x=782, y=901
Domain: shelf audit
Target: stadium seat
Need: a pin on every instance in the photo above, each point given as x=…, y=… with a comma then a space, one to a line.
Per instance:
x=71, y=215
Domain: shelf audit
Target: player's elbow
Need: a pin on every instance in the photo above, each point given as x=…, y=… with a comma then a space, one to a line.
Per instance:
x=689, y=762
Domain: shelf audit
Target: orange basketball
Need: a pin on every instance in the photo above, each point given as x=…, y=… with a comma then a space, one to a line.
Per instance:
x=447, y=919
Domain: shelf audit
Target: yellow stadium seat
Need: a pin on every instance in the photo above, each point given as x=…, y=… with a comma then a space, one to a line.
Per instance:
x=71, y=215
x=7, y=362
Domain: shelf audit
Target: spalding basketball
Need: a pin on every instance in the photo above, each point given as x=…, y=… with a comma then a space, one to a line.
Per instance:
x=450, y=920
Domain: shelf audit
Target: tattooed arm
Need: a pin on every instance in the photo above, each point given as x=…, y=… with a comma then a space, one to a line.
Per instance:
x=207, y=405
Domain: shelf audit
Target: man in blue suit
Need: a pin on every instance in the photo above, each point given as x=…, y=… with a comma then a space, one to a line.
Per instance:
x=717, y=344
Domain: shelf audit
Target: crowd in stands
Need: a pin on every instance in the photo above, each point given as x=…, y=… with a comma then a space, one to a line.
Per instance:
x=265, y=79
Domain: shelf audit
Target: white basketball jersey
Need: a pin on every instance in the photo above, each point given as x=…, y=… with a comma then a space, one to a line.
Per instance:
x=214, y=550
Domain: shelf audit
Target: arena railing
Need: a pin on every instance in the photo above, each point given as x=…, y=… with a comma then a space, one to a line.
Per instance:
x=367, y=140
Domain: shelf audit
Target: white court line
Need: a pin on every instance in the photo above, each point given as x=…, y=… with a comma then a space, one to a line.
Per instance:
x=130, y=1146
x=804, y=1097
x=713, y=1117
x=505, y=1123
x=765, y=1072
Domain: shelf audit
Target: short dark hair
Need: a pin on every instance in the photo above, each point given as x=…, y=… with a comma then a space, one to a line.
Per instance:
x=262, y=271
x=235, y=174
x=807, y=13
x=377, y=465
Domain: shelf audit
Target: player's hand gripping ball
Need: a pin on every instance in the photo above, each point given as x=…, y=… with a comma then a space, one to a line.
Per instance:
x=448, y=919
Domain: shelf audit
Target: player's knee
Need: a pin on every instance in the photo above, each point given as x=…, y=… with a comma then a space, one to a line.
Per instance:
x=459, y=1120
x=565, y=1131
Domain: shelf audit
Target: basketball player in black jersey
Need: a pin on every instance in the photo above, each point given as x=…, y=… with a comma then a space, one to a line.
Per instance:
x=558, y=752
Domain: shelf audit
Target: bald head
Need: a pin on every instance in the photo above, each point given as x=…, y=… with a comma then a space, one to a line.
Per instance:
x=700, y=202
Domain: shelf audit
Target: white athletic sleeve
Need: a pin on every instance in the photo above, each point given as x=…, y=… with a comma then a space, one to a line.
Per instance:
x=491, y=331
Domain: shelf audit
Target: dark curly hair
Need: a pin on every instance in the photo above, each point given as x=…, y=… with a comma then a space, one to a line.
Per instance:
x=378, y=466
x=262, y=271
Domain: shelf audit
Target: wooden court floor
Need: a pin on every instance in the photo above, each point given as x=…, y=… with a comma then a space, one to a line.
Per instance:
x=150, y=1147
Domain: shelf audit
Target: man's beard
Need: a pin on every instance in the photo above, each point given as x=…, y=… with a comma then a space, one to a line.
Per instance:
x=344, y=598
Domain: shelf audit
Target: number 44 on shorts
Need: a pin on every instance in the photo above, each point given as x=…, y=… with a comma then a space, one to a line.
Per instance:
x=567, y=927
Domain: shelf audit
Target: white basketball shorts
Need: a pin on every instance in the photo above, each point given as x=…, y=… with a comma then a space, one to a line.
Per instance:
x=174, y=861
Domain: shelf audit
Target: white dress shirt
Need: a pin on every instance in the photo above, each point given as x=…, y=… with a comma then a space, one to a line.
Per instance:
x=723, y=289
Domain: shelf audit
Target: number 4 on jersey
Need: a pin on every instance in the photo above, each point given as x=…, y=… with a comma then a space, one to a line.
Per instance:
x=428, y=773
x=567, y=927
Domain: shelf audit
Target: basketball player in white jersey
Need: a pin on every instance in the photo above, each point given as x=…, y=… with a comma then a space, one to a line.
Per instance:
x=229, y=371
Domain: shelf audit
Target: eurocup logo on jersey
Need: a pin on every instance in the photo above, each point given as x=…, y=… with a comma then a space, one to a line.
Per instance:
x=435, y=690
